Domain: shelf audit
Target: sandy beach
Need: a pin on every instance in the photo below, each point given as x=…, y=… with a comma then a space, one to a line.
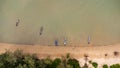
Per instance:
x=95, y=53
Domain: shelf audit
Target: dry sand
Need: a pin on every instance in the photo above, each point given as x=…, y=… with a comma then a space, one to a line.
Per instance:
x=95, y=53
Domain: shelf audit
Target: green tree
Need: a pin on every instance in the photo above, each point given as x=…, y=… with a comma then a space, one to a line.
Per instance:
x=115, y=66
x=7, y=59
x=73, y=63
x=56, y=62
x=105, y=66
x=94, y=64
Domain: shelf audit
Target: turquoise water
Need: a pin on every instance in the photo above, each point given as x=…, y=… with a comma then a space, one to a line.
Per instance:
x=71, y=19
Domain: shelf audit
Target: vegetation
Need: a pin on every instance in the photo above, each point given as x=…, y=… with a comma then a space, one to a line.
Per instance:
x=115, y=66
x=105, y=66
x=18, y=59
x=74, y=63
x=94, y=64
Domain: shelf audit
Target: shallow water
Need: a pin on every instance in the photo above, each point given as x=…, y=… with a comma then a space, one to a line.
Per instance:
x=74, y=20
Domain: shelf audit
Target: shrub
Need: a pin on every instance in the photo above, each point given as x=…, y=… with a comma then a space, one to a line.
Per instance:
x=115, y=66
x=68, y=55
x=47, y=63
x=105, y=66
x=90, y=61
x=7, y=59
x=94, y=64
x=56, y=62
x=73, y=63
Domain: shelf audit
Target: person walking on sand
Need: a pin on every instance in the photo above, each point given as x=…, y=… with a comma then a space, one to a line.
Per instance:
x=17, y=23
x=65, y=42
x=56, y=42
x=89, y=39
x=41, y=30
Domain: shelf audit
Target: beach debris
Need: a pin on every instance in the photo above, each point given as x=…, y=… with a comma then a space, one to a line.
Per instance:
x=106, y=54
x=17, y=23
x=116, y=53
